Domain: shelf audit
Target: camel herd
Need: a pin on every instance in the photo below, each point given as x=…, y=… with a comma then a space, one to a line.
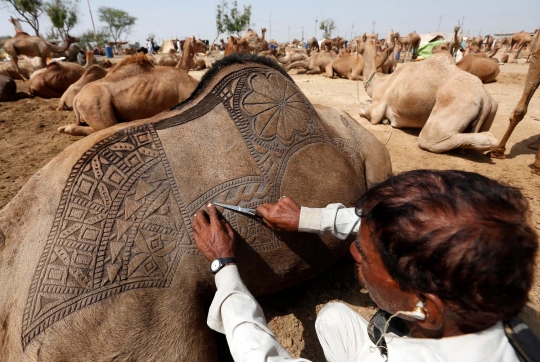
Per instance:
x=420, y=94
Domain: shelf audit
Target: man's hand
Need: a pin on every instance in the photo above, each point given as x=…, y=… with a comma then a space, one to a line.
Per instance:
x=284, y=215
x=214, y=237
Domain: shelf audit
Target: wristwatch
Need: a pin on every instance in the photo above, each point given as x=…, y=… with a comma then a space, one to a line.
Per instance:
x=219, y=263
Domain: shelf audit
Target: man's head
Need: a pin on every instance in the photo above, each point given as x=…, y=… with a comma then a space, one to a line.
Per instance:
x=452, y=236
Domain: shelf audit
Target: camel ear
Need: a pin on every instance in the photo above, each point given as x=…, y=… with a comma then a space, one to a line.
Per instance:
x=377, y=36
x=194, y=38
x=364, y=37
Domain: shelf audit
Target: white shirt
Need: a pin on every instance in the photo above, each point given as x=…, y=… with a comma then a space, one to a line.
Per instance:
x=236, y=313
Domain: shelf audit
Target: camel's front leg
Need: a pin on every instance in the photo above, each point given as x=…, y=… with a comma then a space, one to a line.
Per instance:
x=15, y=62
x=375, y=113
x=76, y=130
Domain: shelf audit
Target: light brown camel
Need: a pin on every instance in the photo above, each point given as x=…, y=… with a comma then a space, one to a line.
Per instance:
x=484, y=67
x=24, y=72
x=335, y=44
x=291, y=57
x=313, y=46
x=408, y=43
x=451, y=106
x=315, y=64
x=56, y=78
x=134, y=89
x=455, y=44
x=91, y=74
x=8, y=89
x=489, y=43
x=70, y=53
x=256, y=44
x=389, y=40
x=169, y=59
x=97, y=256
x=34, y=46
x=479, y=41
x=520, y=39
x=237, y=45
x=191, y=47
x=531, y=84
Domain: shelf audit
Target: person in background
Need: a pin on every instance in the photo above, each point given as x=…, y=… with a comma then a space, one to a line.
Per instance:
x=449, y=255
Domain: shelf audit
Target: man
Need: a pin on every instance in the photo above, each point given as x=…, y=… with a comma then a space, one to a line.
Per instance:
x=449, y=253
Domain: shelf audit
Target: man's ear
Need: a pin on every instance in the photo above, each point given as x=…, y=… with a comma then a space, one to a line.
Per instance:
x=434, y=309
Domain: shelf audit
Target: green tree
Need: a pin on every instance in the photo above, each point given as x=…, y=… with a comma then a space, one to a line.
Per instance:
x=118, y=22
x=88, y=40
x=29, y=10
x=327, y=26
x=232, y=21
x=63, y=15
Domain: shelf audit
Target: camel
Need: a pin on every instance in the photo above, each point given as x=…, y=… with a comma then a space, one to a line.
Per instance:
x=91, y=74
x=313, y=46
x=191, y=47
x=134, y=89
x=55, y=79
x=70, y=53
x=24, y=70
x=531, y=84
x=292, y=57
x=237, y=45
x=33, y=46
x=489, y=43
x=8, y=89
x=455, y=43
x=169, y=59
x=520, y=39
x=451, y=106
x=408, y=43
x=479, y=41
x=255, y=43
x=315, y=64
x=335, y=44
x=485, y=68
x=389, y=40
x=97, y=257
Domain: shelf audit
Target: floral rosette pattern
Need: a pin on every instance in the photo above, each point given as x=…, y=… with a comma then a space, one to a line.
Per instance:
x=278, y=109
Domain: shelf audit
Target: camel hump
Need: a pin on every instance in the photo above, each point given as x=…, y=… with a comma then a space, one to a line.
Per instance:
x=140, y=60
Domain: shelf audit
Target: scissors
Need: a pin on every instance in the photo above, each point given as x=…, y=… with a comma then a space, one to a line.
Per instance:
x=242, y=210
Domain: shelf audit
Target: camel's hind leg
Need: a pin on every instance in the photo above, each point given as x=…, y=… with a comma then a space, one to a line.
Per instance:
x=442, y=131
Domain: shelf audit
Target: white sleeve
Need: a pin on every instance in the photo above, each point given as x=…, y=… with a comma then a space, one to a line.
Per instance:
x=236, y=313
x=335, y=219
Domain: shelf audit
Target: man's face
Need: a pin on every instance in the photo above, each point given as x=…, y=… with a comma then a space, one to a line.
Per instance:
x=384, y=291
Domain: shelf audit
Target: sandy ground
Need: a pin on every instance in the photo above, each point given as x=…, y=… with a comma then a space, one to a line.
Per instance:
x=28, y=140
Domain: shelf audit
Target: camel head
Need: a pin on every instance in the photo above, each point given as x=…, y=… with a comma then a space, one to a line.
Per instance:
x=71, y=39
x=456, y=28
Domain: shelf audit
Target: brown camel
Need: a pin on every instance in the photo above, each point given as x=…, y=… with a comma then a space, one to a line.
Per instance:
x=70, y=53
x=97, y=256
x=25, y=70
x=489, y=43
x=8, y=89
x=169, y=59
x=335, y=44
x=134, y=89
x=33, y=46
x=531, y=84
x=455, y=43
x=237, y=45
x=389, y=38
x=479, y=41
x=256, y=44
x=408, y=43
x=485, y=68
x=313, y=46
x=451, y=106
x=315, y=64
x=55, y=79
x=191, y=47
x=292, y=57
x=520, y=39
x=91, y=74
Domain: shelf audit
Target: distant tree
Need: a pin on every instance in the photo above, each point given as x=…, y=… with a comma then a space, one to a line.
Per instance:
x=63, y=15
x=119, y=23
x=88, y=40
x=327, y=26
x=29, y=10
x=231, y=21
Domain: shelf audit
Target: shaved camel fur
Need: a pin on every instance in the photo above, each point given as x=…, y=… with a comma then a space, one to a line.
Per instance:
x=33, y=46
x=531, y=84
x=134, y=89
x=451, y=106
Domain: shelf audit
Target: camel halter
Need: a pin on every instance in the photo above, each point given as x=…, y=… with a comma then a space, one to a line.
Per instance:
x=369, y=80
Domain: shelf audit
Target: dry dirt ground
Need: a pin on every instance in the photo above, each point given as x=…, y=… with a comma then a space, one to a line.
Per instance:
x=28, y=140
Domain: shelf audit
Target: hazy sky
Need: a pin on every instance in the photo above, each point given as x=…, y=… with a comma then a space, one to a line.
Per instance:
x=166, y=18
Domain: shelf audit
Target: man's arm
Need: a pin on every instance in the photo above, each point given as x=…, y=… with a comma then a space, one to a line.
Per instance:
x=287, y=215
x=234, y=311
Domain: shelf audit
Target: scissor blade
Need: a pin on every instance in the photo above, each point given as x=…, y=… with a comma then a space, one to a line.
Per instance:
x=243, y=210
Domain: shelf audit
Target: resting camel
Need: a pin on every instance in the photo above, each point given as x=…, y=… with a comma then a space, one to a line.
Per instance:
x=103, y=265
x=489, y=43
x=315, y=64
x=451, y=106
x=8, y=89
x=169, y=59
x=313, y=45
x=389, y=40
x=237, y=45
x=24, y=70
x=292, y=57
x=33, y=46
x=188, y=61
x=55, y=79
x=256, y=44
x=485, y=68
x=134, y=89
x=91, y=74
x=531, y=84
x=335, y=44
x=408, y=43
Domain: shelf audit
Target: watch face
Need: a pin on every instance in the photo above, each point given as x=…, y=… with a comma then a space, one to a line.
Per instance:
x=215, y=265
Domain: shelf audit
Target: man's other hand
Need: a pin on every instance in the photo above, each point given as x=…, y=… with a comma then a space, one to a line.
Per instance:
x=284, y=215
x=214, y=237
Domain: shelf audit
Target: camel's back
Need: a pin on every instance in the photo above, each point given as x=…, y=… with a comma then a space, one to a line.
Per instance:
x=104, y=259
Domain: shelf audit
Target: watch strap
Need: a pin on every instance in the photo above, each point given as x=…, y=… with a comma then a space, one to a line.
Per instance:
x=224, y=262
